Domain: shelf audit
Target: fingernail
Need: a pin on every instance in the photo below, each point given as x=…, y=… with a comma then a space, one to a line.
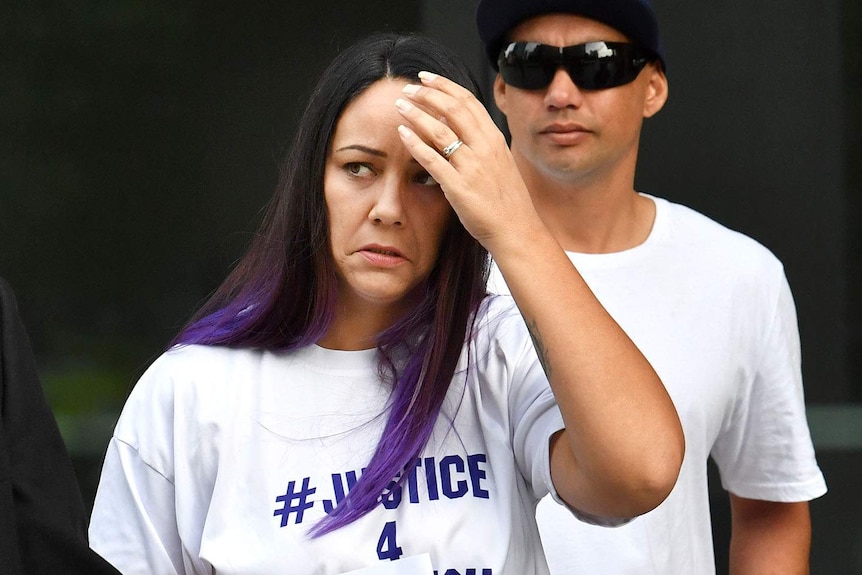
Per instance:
x=404, y=131
x=410, y=89
x=403, y=105
x=427, y=76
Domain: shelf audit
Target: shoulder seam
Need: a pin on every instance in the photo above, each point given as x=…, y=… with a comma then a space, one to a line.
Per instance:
x=143, y=459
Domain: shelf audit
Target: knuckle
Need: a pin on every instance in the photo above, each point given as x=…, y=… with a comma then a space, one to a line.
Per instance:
x=465, y=97
x=454, y=108
x=441, y=133
x=432, y=161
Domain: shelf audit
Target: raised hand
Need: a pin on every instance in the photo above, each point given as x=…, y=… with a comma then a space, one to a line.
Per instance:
x=451, y=135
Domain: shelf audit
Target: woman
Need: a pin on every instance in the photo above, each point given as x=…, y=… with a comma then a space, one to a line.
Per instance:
x=349, y=397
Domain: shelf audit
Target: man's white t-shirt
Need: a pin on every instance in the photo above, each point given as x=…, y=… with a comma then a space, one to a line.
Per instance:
x=712, y=311
x=223, y=459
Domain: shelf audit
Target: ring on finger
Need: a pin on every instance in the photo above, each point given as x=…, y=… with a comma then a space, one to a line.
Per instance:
x=452, y=148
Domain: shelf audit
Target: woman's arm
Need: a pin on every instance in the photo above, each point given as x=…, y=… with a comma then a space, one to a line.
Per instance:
x=623, y=445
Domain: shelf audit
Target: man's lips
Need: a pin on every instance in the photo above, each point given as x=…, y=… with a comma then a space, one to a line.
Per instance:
x=565, y=134
x=564, y=128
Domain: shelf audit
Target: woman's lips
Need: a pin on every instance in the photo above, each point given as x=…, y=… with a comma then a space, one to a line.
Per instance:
x=383, y=256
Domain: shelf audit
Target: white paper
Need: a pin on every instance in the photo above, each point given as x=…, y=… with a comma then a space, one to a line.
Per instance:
x=414, y=565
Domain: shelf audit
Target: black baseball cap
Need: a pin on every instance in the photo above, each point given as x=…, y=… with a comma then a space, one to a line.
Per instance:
x=634, y=18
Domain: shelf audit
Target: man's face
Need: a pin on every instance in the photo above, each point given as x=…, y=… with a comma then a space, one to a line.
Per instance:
x=568, y=133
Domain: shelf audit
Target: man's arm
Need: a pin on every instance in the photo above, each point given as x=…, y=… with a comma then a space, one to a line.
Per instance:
x=769, y=537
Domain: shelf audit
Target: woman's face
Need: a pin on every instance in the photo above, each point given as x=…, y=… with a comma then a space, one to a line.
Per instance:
x=387, y=216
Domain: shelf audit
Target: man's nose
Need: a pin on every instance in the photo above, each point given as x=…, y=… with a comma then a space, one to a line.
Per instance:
x=562, y=92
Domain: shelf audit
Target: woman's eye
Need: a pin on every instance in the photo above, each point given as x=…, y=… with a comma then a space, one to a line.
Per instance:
x=425, y=179
x=357, y=169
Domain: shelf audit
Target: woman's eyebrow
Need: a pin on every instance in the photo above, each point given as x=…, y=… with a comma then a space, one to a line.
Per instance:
x=361, y=148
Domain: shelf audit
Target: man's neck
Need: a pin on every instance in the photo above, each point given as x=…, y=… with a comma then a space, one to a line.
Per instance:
x=591, y=214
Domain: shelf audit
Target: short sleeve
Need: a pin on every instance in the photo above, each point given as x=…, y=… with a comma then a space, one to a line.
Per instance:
x=766, y=451
x=134, y=524
x=134, y=520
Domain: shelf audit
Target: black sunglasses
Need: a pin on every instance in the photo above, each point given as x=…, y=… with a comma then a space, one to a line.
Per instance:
x=591, y=66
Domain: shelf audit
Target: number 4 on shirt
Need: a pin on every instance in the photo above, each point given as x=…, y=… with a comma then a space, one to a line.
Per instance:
x=387, y=548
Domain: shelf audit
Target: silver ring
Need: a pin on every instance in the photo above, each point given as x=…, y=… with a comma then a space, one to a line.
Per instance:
x=452, y=148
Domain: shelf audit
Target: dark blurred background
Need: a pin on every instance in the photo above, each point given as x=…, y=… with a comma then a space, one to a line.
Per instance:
x=139, y=142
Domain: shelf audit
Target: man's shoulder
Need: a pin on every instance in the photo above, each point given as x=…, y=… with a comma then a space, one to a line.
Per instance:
x=691, y=229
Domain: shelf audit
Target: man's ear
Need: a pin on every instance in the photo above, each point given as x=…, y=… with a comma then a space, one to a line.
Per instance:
x=500, y=93
x=657, y=90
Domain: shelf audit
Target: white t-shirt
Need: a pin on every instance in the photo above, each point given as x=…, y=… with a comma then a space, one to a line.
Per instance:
x=712, y=311
x=223, y=459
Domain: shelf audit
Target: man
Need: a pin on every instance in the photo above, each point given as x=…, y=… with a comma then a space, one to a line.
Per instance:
x=709, y=307
x=42, y=519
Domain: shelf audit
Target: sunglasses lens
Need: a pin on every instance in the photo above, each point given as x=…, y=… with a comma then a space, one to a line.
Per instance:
x=603, y=72
x=524, y=65
x=592, y=66
x=526, y=77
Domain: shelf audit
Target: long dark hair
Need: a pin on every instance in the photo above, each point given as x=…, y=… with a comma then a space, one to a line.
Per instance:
x=282, y=293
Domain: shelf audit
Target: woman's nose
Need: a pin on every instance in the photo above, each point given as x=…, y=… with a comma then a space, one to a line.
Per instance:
x=388, y=207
